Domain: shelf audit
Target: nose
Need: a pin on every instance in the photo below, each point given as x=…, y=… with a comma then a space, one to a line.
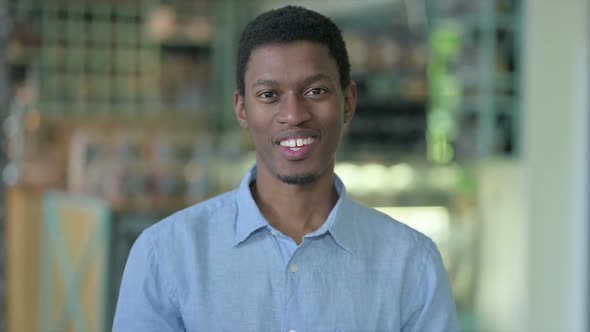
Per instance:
x=293, y=110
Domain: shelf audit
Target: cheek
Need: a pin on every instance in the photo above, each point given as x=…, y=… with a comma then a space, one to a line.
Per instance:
x=336, y=120
x=258, y=130
x=252, y=121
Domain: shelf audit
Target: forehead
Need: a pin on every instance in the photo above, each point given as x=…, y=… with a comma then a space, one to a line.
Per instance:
x=290, y=61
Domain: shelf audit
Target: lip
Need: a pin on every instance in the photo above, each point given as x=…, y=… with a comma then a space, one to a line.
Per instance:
x=300, y=154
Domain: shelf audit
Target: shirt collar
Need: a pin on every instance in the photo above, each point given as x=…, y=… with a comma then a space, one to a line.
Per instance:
x=249, y=217
x=340, y=223
x=343, y=223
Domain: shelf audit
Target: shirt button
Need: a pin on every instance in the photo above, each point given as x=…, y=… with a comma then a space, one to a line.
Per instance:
x=274, y=233
x=294, y=268
x=292, y=331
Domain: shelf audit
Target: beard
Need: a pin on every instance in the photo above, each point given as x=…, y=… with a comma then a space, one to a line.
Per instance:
x=301, y=179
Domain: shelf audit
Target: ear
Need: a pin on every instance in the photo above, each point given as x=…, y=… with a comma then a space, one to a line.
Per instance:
x=240, y=109
x=349, y=102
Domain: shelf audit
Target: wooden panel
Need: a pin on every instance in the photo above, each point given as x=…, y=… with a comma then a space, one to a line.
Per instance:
x=74, y=269
x=23, y=238
x=57, y=263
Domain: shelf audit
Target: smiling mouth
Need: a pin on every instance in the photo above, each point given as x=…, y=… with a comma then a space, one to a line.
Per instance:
x=296, y=144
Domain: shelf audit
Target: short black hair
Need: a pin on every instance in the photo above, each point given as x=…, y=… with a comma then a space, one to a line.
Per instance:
x=290, y=24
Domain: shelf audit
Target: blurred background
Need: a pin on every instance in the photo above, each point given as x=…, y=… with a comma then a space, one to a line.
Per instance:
x=472, y=126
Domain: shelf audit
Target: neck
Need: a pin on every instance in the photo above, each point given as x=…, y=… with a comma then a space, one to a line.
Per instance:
x=295, y=210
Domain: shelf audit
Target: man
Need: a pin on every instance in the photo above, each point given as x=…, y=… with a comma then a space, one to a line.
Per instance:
x=287, y=250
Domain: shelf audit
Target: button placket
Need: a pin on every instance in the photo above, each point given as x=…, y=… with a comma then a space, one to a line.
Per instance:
x=294, y=268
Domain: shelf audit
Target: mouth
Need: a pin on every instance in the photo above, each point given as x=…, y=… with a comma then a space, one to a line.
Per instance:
x=296, y=144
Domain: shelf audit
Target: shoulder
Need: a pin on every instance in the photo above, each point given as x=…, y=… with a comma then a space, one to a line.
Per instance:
x=194, y=221
x=381, y=232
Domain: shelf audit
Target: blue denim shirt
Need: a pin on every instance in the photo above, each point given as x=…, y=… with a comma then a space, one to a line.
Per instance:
x=220, y=266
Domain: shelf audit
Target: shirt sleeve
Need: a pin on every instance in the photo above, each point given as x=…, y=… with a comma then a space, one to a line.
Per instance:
x=432, y=303
x=146, y=302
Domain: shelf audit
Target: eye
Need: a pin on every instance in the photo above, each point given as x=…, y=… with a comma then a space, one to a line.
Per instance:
x=267, y=96
x=316, y=91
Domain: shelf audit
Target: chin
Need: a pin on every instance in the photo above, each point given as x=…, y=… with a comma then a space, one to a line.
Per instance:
x=300, y=179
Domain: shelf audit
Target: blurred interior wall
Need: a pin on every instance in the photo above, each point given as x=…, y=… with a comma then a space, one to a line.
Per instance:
x=501, y=297
x=534, y=248
x=4, y=102
x=556, y=144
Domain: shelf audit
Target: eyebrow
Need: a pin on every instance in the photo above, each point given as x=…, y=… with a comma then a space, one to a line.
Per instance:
x=264, y=82
x=307, y=81
x=317, y=77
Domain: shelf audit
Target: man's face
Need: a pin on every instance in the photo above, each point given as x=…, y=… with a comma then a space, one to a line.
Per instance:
x=294, y=109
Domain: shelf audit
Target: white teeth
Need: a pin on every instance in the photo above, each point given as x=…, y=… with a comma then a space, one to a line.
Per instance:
x=294, y=144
